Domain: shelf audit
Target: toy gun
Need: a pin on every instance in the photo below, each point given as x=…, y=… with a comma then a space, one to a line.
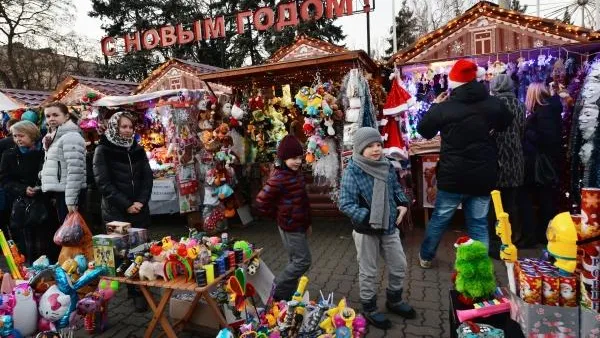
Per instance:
x=508, y=251
x=10, y=261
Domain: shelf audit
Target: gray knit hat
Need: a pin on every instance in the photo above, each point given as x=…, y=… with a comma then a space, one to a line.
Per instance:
x=365, y=136
x=501, y=83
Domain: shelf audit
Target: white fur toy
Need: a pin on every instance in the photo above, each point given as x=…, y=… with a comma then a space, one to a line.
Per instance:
x=147, y=271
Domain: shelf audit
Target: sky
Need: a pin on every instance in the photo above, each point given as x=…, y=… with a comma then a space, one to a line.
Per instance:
x=354, y=26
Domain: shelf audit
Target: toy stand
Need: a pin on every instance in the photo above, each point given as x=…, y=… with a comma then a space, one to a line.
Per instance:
x=180, y=284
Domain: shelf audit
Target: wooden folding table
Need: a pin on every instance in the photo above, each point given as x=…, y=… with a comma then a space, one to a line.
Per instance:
x=181, y=284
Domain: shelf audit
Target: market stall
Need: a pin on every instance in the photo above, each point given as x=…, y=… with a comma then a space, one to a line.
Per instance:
x=304, y=89
x=499, y=40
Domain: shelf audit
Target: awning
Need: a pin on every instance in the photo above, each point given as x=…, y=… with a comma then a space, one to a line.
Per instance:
x=114, y=101
x=6, y=103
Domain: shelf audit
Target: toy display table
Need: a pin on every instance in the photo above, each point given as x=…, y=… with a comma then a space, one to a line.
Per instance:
x=178, y=284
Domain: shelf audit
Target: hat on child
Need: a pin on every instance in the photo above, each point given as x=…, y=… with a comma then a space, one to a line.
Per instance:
x=365, y=136
x=289, y=147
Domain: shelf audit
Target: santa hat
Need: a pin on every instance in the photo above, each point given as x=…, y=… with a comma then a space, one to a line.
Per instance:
x=398, y=99
x=463, y=72
x=463, y=240
x=393, y=143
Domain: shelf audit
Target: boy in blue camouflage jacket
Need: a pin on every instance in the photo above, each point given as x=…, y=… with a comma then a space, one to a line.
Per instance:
x=373, y=199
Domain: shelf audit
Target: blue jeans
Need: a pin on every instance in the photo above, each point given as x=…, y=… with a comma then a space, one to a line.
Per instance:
x=476, y=211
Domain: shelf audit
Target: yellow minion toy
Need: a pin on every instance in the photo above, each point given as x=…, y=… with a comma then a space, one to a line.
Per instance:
x=562, y=242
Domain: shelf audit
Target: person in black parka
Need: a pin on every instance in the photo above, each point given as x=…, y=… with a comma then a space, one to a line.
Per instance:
x=542, y=137
x=124, y=179
x=123, y=174
x=19, y=171
x=468, y=168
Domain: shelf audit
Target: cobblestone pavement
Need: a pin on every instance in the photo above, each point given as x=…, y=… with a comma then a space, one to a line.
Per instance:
x=334, y=269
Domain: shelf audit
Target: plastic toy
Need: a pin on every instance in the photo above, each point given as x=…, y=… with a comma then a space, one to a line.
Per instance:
x=562, y=242
x=508, y=252
x=240, y=289
x=25, y=310
x=133, y=269
x=498, y=304
x=474, y=277
x=170, y=267
x=12, y=266
x=244, y=246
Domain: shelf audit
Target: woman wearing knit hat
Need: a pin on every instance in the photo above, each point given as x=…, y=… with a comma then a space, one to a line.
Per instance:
x=373, y=199
x=284, y=197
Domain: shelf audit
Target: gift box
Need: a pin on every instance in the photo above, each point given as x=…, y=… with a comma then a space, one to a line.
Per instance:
x=109, y=251
x=137, y=236
x=544, y=320
x=116, y=227
x=590, y=323
x=588, y=226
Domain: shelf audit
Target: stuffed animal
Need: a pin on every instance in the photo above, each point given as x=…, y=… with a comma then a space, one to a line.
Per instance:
x=474, y=276
x=147, y=271
x=25, y=311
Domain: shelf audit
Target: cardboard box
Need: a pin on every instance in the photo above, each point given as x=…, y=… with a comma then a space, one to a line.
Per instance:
x=116, y=227
x=202, y=316
x=137, y=236
x=109, y=251
x=549, y=321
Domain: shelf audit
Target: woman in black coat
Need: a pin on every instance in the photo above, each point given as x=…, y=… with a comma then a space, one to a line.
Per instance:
x=123, y=174
x=542, y=140
x=19, y=171
x=124, y=179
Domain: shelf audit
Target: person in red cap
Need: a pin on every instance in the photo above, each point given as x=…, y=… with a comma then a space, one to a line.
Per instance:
x=284, y=196
x=467, y=119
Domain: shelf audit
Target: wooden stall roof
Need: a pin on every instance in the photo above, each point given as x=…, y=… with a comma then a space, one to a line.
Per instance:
x=300, y=70
x=27, y=98
x=542, y=27
x=305, y=47
x=193, y=68
x=102, y=86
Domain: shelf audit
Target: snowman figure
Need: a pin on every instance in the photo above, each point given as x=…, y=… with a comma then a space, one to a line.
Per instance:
x=25, y=311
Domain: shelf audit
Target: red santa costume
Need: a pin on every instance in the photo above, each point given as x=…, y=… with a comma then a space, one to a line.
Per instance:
x=398, y=101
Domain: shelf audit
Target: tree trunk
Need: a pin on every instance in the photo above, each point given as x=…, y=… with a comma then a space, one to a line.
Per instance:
x=17, y=81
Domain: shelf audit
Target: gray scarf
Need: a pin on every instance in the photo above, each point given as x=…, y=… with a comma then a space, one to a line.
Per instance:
x=380, y=206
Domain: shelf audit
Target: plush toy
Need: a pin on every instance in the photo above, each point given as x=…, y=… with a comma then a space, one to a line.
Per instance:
x=302, y=97
x=25, y=311
x=329, y=124
x=314, y=105
x=474, y=276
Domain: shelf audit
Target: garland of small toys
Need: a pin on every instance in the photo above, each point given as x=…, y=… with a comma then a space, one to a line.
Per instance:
x=298, y=317
x=321, y=110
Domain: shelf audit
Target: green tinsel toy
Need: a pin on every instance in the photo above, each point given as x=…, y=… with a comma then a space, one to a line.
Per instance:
x=474, y=277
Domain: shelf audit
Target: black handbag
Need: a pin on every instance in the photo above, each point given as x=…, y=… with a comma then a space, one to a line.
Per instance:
x=28, y=212
x=544, y=171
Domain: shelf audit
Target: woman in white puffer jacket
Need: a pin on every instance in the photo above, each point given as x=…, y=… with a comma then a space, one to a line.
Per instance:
x=63, y=173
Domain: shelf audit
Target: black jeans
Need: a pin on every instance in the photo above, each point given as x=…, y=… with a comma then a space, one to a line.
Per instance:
x=534, y=228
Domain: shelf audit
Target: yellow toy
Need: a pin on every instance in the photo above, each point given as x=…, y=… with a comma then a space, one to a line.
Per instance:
x=344, y=311
x=70, y=267
x=167, y=243
x=562, y=242
x=508, y=251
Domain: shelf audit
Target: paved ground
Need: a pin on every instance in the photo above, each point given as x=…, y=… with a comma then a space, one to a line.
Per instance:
x=334, y=270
